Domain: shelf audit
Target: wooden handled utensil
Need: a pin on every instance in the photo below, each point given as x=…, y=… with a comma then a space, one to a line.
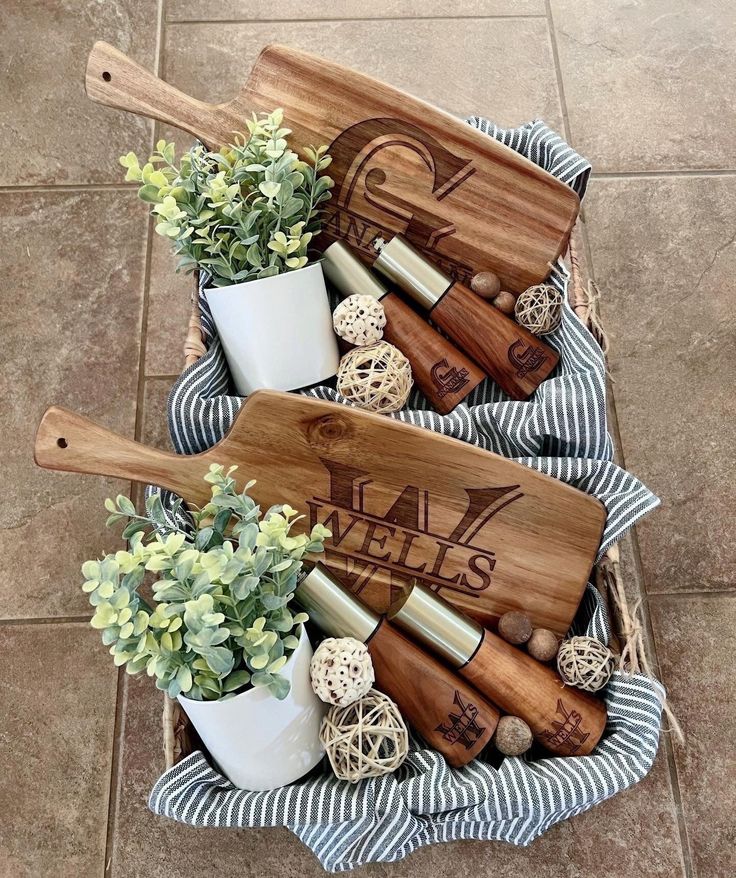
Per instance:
x=401, y=502
x=400, y=165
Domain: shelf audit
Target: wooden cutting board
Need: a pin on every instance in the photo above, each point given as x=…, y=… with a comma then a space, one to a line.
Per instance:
x=402, y=502
x=400, y=164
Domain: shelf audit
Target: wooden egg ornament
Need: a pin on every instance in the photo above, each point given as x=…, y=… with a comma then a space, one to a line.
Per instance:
x=367, y=738
x=543, y=645
x=585, y=662
x=512, y=736
x=359, y=320
x=376, y=378
x=539, y=309
x=341, y=670
x=515, y=628
x=486, y=285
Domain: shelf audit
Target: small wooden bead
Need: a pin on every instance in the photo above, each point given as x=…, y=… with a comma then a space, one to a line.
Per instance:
x=543, y=645
x=515, y=627
x=486, y=285
x=513, y=736
x=505, y=302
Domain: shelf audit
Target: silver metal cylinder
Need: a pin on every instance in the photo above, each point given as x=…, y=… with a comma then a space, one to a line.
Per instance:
x=333, y=608
x=410, y=271
x=438, y=625
x=348, y=274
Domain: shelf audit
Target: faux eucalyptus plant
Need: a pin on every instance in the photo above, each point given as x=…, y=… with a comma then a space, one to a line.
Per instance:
x=219, y=621
x=248, y=211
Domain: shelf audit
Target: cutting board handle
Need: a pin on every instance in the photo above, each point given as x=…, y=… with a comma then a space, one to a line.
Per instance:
x=72, y=443
x=114, y=80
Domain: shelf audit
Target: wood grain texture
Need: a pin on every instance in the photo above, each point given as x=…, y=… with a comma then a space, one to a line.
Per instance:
x=400, y=165
x=443, y=374
x=516, y=360
x=402, y=502
x=564, y=720
x=448, y=712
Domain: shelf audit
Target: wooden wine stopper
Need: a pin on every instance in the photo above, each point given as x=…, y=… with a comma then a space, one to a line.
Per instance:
x=443, y=374
x=448, y=712
x=516, y=360
x=564, y=720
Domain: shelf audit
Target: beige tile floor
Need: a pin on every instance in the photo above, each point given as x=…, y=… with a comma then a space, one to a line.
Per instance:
x=93, y=318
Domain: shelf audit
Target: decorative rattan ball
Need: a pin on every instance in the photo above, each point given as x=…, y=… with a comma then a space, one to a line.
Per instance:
x=341, y=670
x=539, y=309
x=367, y=738
x=359, y=319
x=585, y=662
x=376, y=377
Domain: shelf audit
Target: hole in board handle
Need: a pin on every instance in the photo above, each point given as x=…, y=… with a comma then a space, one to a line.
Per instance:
x=107, y=76
x=61, y=442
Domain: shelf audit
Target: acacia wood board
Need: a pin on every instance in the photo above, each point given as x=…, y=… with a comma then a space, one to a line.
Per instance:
x=401, y=165
x=403, y=503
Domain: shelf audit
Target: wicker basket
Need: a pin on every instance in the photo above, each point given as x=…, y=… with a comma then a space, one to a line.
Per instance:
x=626, y=636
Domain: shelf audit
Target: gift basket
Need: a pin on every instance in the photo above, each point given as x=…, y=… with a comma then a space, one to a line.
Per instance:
x=441, y=648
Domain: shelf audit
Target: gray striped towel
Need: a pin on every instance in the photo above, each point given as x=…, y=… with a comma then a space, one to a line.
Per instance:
x=560, y=431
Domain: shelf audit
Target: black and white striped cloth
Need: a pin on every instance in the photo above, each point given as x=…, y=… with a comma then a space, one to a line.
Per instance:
x=560, y=431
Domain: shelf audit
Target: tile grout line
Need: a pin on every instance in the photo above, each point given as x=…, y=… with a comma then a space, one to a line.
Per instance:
x=46, y=620
x=253, y=21
x=558, y=70
x=119, y=723
x=645, y=615
x=665, y=172
x=70, y=187
x=710, y=593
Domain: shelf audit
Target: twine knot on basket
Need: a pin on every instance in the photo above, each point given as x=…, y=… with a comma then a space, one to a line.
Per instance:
x=376, y=377
x=539, y=309
x=585, y=662
x=367, y=738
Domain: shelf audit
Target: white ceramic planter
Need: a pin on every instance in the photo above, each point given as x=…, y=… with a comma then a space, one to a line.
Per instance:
x=277, y=331
x=257, y=741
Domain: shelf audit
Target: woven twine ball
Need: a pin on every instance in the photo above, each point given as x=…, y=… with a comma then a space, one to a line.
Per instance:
x=341, y=670
x=359, y=319
x=367, y=738
x=512, y=736
x=539, y=309
x=376, y=377
x=585, y=662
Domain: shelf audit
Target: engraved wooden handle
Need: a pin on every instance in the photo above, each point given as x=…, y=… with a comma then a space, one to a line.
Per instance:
x=564, y=720
x=114, y=80
x=510, y=354
x=449, y=714
x=443, y=374
x=72, y=443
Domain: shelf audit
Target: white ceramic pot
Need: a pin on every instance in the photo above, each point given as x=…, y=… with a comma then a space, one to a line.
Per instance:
x=257, y=741
x=277, y=331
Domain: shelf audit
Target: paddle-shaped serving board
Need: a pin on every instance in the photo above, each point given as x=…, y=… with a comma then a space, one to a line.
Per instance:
x=400, y=164
x=401, y=502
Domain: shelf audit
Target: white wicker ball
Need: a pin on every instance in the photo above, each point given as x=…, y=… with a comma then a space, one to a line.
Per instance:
x=341, y=670
x=359, y=319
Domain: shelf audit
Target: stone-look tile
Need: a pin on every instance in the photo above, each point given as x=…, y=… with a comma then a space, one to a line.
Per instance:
x=58, y=689
x=70, y=336
x=695, y=645
x=254, y=10
x=598, y=842
x=665, y=257
x=649, y=86
x=54, y=133
x=169, y=307
x=461, y=66
x=155, y=425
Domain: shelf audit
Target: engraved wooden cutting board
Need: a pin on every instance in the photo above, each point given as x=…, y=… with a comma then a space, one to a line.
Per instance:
x=402, y=502
x=400, y=164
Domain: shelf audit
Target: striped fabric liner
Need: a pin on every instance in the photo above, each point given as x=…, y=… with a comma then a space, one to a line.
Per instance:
x=561, y=431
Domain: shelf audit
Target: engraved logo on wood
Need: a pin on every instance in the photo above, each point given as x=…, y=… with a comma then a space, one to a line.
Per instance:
x=368, y=537
x=462, y=725
x=525, y=358
x=565, y=732
x=367, y=203
x=448, y=379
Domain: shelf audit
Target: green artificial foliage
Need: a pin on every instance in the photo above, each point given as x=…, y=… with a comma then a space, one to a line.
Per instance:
x=248, y=211
x=219, y=621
